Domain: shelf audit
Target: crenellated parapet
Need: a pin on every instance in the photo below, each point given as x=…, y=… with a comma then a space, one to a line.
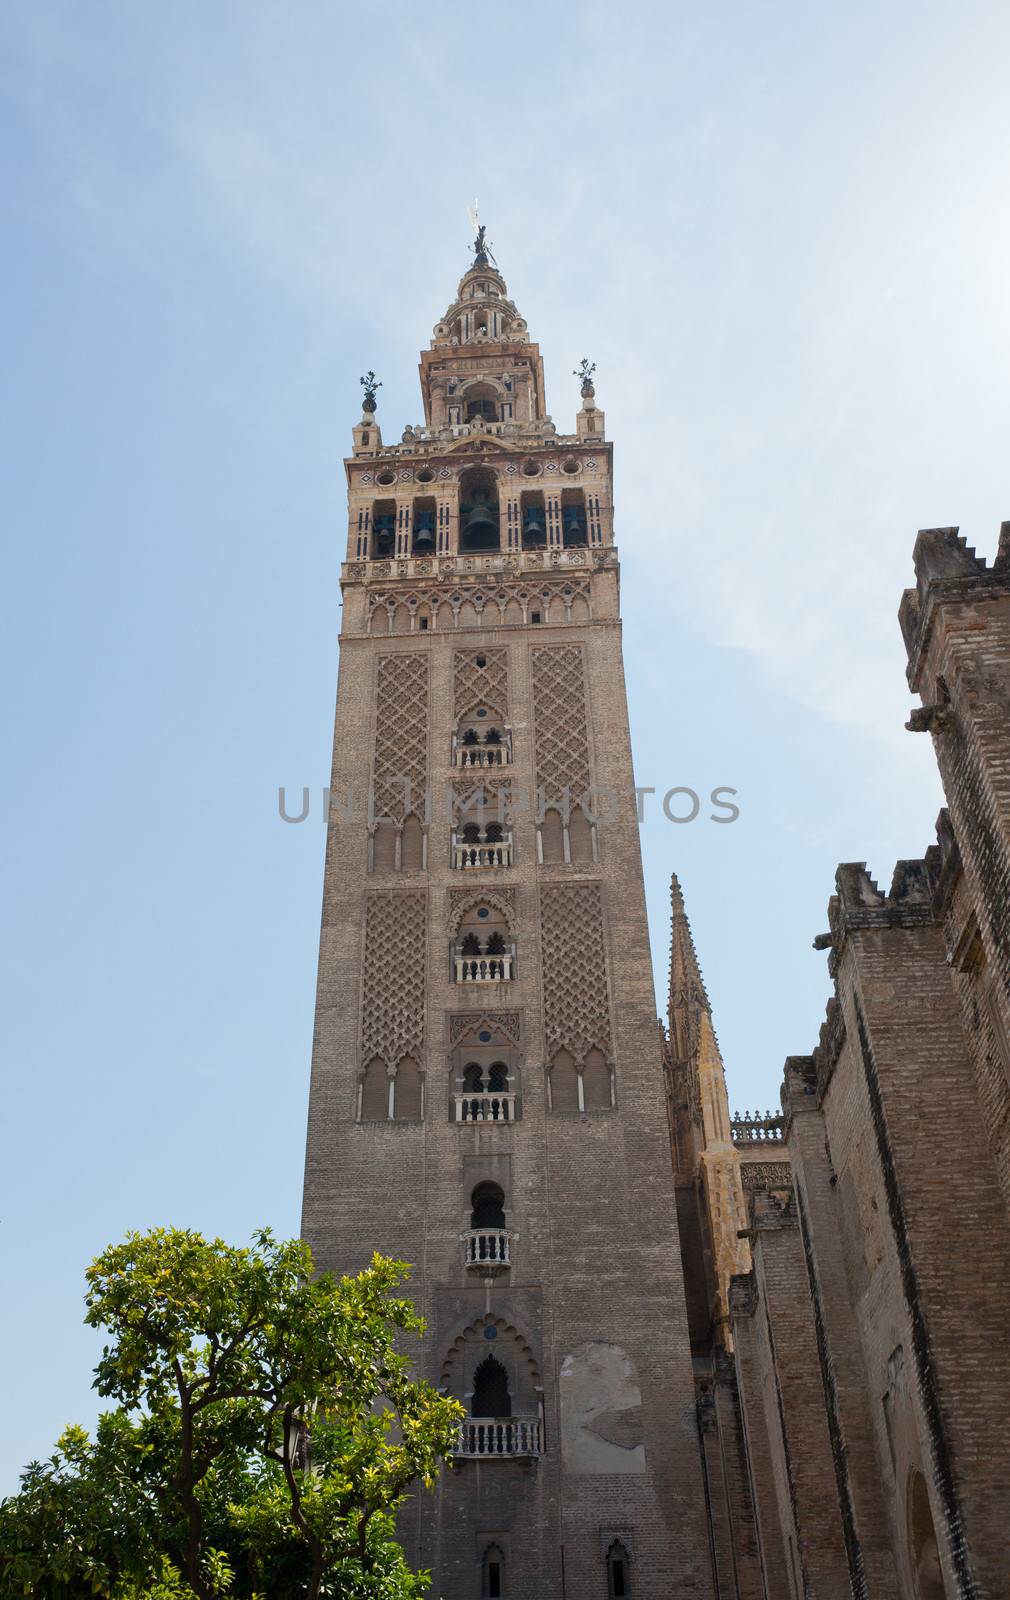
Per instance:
x=947, y=570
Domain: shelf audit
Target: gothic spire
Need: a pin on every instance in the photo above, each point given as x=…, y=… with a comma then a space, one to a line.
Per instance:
x=688, y=999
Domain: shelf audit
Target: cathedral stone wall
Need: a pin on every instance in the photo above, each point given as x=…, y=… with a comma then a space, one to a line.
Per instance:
x=897, y=1139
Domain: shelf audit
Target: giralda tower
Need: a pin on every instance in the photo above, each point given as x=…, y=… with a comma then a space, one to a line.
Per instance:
x=487, y=1095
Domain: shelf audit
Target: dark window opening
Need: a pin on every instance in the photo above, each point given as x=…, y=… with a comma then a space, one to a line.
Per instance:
x=534, y=616
x=618, y=1573
x=487, y=409
x=491, y=1396
x=488, y=1211
x=493, y=1574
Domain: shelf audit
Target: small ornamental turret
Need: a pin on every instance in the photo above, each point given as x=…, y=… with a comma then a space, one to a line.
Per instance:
x=590, y=420
x=367, y=438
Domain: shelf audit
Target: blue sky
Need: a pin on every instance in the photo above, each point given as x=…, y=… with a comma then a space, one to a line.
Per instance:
x=781, y=231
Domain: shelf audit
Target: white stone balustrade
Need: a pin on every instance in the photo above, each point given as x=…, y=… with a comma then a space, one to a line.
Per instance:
x=500, y=1436
x=480, y=756
x=486, y=1249
x=484, y=969
x=484, y=1106
x=497, y=853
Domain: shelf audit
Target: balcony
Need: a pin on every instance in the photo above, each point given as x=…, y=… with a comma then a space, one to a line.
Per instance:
x=487, y=1249
x=489, y=752
x=487, y=853
x=484, y=969
x=480, y=1437
x=485, y=1106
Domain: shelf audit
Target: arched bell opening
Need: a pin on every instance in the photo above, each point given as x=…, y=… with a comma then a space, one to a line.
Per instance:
x=481, y=399
x=574, y=528
x=383, y=529
x=422, y=542
x=479, y=523
x=534, y=519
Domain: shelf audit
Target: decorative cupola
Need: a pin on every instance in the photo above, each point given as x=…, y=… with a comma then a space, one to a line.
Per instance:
x=481, y=370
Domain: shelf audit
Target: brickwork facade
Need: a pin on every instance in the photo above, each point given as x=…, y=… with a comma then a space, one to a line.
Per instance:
x=487, y=1095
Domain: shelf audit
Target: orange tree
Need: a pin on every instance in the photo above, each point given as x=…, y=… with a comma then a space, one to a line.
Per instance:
x=264, y=1430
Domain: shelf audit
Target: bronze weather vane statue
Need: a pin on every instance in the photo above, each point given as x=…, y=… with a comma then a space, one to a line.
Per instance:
x=482, y=256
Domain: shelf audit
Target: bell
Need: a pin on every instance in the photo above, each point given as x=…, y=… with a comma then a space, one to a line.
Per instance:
x=480, y=530
x=534, y=527
x=385, y=532
x=424, y=532
x=573, y=525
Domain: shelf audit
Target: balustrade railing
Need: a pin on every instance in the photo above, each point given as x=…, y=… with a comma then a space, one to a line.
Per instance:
x=500, y=1436
x=757, y=1128
x=481, y=755
x=486, y=1248
x=484, y=969
x=498, y=853
x=486, y=1106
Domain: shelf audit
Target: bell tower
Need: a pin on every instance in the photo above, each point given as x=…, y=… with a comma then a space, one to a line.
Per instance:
x=487, y=1096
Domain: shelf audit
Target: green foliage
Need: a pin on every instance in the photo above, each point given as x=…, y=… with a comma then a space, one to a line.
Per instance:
x=264, y=1431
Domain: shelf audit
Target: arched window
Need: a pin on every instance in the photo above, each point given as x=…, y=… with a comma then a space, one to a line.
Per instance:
x=480, y=399
x=407, y=1091
x=618, y=1572
x=596, y=1081
x=552, y=837
x=498, y=1077
x=487, y=1210
x=384, y=847
x=492, y=1577
x=580, y=836
x=412, y=845
x=375, y=1092
x=564, y=1083
x=491, y=1396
